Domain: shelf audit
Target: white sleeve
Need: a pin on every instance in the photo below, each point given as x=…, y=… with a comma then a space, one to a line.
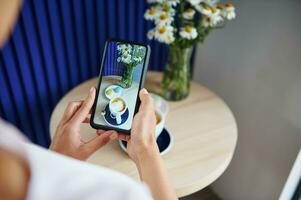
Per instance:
x=55, y=176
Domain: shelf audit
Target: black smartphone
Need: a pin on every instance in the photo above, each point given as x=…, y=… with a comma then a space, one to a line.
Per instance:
x=122, y=73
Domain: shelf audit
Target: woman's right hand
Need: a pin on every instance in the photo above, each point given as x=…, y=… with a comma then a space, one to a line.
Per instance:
x=143, y=150
x=142, y=142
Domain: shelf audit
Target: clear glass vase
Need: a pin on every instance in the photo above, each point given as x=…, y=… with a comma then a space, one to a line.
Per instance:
x=176, y=79
x=127, y=77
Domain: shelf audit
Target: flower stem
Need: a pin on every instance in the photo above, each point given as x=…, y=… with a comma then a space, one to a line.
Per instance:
x=176, y=78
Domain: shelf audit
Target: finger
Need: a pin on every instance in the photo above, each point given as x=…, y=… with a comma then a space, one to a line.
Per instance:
x=100, y=131
x=123, y=137
x=99, y=141
x=147, y=102
x=90, y=111
x=87, y=119
x=70, y=110
x=85, y=108
x=120, y=136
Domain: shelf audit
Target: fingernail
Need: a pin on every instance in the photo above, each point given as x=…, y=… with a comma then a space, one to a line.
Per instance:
x=92, y=89
x=144, y=91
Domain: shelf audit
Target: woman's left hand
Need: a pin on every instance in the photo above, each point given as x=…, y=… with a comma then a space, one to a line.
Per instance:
x=67, y=139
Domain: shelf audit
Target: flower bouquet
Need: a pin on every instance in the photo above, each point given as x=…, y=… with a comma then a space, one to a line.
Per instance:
x=130, y=56
x=181, y=24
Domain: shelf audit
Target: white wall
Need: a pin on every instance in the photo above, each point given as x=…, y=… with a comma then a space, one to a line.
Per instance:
x=254, y=64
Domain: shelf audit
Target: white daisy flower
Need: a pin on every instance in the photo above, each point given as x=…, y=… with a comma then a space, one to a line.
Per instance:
x=127, y=49
x=211, y=3
x=204, y=9
x=195, y=2
x=166, y=8
x=206, y=21
x=151, y=34
x=188, y=32
x=120, y=47
x=123, y=48
x=189, y=13
x=164, y=34
x=220, y=7
x=138, y=59
x=170, y=38
x=173, y=2
x=212, y=19
x=229, y=11
x=126, y=58
x=152, y=13
x=163, y=18
x=216, y=16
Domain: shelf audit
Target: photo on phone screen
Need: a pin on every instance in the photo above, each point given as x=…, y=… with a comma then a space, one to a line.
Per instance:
x=120, y=80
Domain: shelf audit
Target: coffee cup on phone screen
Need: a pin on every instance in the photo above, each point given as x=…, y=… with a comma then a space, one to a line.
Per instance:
x=117, y=107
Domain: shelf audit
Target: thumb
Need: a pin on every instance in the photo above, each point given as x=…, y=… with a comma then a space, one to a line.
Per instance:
x=85, y=108
x=147, y=102
x=99, y=141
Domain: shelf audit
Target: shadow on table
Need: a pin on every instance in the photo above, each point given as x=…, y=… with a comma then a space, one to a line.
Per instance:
x=204, y=194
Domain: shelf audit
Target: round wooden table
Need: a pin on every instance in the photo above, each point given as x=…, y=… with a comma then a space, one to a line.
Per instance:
x=203, y=128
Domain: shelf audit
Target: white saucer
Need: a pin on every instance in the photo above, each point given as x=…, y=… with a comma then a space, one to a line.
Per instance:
x=112, y=121
x=114, y=94
x=164, y=142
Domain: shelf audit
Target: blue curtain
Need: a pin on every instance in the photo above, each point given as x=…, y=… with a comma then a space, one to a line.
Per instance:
x=111, y=66
x=55, y=46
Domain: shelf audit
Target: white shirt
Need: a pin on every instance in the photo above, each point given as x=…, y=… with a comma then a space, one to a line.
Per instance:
x=55, y=176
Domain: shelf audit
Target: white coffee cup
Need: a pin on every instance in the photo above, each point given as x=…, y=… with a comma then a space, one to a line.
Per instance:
x=117, y=107
x=160, y=121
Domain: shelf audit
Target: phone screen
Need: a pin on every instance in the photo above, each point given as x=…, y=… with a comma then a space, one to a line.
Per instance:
x=119, y=85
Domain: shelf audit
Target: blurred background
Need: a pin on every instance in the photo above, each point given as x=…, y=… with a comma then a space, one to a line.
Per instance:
x=254, y=64
x=56, y=45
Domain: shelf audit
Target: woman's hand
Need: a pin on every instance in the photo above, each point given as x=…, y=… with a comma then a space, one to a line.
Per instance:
x=67, y=139
x=143, y=150
x=142, y=141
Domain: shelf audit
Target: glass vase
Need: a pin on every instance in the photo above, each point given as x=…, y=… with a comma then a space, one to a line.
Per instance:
x=127, y=77
x=176, y=78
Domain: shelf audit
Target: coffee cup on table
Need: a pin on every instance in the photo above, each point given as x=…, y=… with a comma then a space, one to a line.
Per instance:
x=117, y=107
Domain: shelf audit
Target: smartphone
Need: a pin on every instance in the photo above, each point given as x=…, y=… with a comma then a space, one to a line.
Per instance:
x=122, y=73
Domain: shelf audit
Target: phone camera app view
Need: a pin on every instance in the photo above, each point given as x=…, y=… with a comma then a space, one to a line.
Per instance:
x=119, y=86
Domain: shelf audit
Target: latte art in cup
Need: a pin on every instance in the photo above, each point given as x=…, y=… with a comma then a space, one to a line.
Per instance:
x=118, y=105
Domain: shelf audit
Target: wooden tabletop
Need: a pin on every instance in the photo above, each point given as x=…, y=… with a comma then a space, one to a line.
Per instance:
x=203, y=128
